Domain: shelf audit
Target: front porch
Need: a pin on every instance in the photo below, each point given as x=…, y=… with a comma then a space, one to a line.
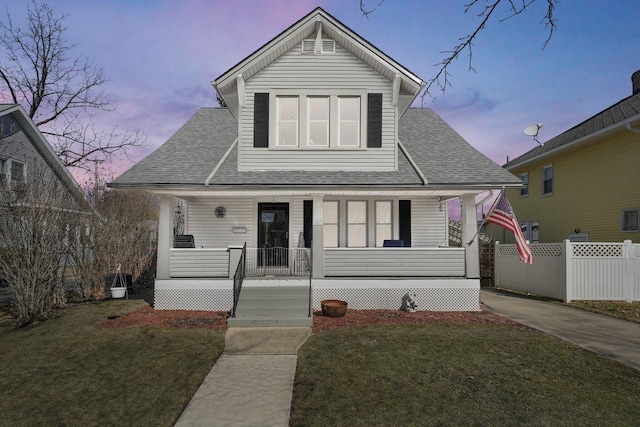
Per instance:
x=367, y=278
x=333, y=244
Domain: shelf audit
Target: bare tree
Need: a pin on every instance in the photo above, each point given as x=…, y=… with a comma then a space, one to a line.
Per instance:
x=61, y=92
x=34, y=231
x=124, y=232
x=485, y=11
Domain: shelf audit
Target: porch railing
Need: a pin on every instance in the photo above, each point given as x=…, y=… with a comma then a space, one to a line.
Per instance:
x=238, y=278
x=278, y=261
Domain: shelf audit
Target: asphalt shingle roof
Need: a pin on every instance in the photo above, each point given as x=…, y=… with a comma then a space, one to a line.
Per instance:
x=623, y=110
x=192, y=153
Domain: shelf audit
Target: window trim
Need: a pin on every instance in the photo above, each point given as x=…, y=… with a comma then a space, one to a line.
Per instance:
x=623, y=223
x=303, y=118
x=544, y=168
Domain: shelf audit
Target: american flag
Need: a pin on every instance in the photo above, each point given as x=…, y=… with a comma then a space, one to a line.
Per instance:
x=501, y=214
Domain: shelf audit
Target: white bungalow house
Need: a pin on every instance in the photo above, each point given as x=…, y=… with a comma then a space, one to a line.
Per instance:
x=319, y=167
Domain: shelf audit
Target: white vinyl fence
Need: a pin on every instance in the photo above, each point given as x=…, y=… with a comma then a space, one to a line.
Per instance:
x=572, y=271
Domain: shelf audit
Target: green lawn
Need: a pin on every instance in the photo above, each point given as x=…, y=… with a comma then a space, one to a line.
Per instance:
x=68, y=372
x=458, y=374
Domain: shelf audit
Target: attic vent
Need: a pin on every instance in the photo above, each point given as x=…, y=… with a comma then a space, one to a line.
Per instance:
x=308, y=46
x=328, y=46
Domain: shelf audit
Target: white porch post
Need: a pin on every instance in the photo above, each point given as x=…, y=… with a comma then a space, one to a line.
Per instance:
x=317, y=244
x=165, y=236
x=469, y=229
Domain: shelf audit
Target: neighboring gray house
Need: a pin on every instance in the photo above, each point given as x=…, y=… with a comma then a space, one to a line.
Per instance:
x=27, y=158
x=316, y=162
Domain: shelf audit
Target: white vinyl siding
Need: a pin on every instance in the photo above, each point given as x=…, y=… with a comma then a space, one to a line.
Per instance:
x=212, y=232
x=318, y=75
x=429, y=225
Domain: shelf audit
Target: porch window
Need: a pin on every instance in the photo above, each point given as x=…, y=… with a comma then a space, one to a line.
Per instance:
x=330, y=209
x=630, y=220
x=357, y=224
x=383, y=222
x=524, y=177
x=287, y=121
x=547, y=180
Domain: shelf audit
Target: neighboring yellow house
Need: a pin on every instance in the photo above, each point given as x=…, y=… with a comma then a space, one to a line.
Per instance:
x=584, y=184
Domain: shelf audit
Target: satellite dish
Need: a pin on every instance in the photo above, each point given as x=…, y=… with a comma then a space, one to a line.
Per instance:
x=533, y=131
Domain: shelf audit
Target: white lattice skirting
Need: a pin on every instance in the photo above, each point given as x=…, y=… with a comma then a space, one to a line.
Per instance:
x=360, y=294
x=209, y=295
x=370, y=294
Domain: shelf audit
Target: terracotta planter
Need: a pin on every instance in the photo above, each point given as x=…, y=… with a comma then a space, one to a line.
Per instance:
x=333, y=308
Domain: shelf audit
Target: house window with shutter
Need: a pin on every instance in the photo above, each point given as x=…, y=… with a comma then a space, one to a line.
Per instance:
x=349, y=121
x=547, y=180
x=631, y=219
x=524, y=177
x=287, y=130
x=288, y=119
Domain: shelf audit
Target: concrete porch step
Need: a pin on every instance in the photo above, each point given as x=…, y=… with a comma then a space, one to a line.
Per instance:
x=262, y=306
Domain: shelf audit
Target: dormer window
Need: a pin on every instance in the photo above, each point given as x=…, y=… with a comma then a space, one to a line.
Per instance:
x=287, y=119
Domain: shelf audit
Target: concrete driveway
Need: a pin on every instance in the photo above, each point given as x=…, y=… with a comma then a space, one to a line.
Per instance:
x=613, y=338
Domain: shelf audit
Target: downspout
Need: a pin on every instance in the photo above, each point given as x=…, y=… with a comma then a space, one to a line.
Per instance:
x=413, y=164
x=213, y=172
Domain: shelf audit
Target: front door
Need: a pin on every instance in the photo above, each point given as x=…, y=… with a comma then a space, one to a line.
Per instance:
x=273, y=234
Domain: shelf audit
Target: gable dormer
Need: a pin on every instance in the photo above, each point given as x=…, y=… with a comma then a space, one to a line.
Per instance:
x=318, y=97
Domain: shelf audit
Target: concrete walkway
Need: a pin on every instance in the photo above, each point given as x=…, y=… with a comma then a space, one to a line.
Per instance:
x=613, y=338
x=251, y=384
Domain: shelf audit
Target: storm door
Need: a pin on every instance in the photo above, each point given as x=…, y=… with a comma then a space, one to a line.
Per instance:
x=273, y=235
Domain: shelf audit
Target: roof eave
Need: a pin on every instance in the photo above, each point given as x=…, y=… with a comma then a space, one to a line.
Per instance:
x=584, y=140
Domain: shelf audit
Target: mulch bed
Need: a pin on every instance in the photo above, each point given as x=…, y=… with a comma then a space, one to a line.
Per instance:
x=217, y=320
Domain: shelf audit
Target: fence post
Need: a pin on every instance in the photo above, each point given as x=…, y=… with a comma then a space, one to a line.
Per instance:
x=628, y=271
x=496, y=270
x=568, y=275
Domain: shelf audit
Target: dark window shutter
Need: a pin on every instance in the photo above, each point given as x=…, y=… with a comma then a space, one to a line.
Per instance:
x=261, y=120
x=404, y=219
x=374, y=120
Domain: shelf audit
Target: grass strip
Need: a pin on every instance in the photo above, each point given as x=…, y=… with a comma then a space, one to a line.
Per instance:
x=457, y=374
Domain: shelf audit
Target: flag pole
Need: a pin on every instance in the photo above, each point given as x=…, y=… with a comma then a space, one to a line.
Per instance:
x=484, y=220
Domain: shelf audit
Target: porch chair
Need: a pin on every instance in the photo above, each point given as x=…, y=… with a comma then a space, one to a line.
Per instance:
x=183, y=241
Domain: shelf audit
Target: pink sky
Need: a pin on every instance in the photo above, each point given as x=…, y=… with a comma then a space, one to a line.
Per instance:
x=161, y=56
